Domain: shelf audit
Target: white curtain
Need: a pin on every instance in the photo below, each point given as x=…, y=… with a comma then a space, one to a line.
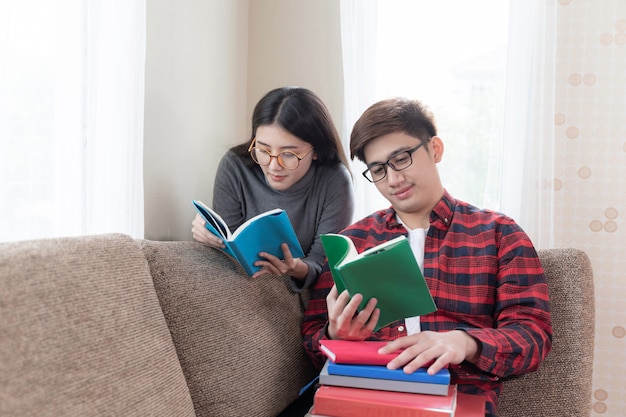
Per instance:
x=359, y=43
x=491, y=91
x=71, y=117
x=528, y=179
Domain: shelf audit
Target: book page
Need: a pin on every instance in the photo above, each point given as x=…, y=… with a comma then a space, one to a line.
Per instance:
x=213, y=219
x=338, y=248
x=377, y=249
x=245, y=224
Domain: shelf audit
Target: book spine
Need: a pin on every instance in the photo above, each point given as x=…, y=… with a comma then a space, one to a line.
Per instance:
x=381, y=372
x=354, y=408
x=384, y=384
x=241, y=258
x=228, y=250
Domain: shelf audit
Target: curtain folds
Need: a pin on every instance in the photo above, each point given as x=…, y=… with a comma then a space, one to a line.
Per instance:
x=528, y=180
x=71, y=117
x=501, y=136
x=359, y=43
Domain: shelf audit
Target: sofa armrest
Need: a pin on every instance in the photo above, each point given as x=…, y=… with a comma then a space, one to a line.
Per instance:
x=562, y=385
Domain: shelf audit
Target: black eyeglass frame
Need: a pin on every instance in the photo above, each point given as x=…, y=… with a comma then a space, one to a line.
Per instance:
x=388, y=163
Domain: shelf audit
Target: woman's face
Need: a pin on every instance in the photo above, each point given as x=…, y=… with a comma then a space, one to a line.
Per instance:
x=274, y=139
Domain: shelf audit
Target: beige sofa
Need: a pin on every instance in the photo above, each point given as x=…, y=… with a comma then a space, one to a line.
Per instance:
x=110, y=326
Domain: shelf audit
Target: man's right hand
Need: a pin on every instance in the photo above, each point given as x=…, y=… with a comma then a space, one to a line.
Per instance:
x=343, y=320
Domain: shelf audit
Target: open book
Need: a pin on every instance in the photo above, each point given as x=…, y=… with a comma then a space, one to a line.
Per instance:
x=387, y=272
x=264, y=232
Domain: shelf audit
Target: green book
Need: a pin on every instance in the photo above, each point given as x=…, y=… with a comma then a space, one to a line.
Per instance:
x=388, y=272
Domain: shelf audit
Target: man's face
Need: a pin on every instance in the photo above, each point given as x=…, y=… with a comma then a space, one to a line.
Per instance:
x=414, y=190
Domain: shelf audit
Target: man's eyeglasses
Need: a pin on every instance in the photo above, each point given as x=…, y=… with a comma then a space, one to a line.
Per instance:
x=398, y=162
x=286, y=159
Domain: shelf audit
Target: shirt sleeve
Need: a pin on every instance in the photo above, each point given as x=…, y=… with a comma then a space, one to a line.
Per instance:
x=522, y=333
x=336, y=214
x=228, y=193
x=313, y=326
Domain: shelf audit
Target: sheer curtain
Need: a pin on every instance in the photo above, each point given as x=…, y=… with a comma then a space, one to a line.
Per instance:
x=528, y=180
x=71, y=117
x=359, y=42
x=450, y=55
x=488, y=78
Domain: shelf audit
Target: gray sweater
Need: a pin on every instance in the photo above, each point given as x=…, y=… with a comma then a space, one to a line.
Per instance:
x=321, y=202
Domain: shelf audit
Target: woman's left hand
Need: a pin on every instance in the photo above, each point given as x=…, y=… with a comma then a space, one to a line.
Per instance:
x=294, y=267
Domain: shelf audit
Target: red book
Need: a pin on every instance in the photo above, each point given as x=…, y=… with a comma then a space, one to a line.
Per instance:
x=364, y=352
x=466, y=406
x=357, y=402
x=470, y=405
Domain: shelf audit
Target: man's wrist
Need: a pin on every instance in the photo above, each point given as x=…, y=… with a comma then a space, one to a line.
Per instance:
x=327, y=331
x=472, y=348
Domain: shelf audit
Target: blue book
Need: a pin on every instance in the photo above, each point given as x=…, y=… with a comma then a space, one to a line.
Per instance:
x=416, y=387
x=381, y=372
x=262, y=233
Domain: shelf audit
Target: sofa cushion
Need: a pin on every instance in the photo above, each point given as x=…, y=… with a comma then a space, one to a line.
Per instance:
x=82, y=332
x=238, y=338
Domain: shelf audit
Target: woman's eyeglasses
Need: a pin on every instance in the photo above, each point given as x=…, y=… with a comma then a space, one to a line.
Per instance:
x=286, y=159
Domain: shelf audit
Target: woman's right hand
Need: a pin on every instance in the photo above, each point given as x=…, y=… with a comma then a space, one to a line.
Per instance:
x=202, y=235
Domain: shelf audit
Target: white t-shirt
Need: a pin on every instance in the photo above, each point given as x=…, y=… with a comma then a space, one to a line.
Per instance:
x=417, y=240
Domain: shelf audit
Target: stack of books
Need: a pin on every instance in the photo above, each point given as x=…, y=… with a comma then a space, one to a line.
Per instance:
x=355, y=382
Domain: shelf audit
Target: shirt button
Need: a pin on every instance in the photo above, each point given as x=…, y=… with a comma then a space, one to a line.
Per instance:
x=401, y=328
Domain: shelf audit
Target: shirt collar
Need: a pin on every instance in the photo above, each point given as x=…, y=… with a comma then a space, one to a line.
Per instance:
x=443, y=210
x=440, y=215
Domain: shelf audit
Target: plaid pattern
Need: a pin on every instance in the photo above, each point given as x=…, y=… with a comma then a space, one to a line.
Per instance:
x=486, y=279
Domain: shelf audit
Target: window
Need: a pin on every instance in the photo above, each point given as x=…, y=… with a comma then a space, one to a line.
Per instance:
x=449, y=54
x=71, y=117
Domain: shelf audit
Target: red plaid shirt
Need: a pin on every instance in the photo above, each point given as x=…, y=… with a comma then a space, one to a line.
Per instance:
x=486, y=279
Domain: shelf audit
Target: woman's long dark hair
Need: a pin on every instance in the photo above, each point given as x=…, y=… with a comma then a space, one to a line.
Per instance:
x=303, y=114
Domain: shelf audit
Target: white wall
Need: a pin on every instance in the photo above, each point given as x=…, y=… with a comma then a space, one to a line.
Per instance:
x=208, y=62
x=296, y=42
x=195, y=95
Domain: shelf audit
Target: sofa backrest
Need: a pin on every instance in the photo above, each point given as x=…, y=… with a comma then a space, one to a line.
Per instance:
x=562, y=385
x=238, y=338
x=82, y=332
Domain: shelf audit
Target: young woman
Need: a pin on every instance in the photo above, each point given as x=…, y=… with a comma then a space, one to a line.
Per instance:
x=293, y=160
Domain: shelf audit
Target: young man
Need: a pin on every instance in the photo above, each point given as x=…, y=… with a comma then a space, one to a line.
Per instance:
x=493, y=314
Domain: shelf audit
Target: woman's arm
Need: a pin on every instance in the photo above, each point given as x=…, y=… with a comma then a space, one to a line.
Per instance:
x=336, y=214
